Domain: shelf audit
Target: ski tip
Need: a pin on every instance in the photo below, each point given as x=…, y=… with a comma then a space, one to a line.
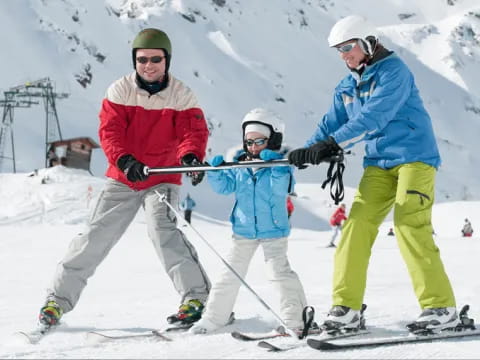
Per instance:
x=159, y=334
x=22, y=337
x=268, y=346
x=321, y=345
x=264, y=344
x=237, y=335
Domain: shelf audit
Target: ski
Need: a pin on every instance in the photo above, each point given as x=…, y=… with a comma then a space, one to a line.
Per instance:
x=276, y=348
x=267, y=335
x=396, y=340
x=465, y=328
x=258, y=336
x=308, y=314
x=102, y=336
x=36, y=335
x=98, y=337
x=178, y=328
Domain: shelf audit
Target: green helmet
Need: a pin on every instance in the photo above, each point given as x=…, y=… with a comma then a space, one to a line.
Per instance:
x=152, y=39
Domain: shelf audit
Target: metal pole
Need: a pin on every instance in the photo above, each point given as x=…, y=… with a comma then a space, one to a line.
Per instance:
x=207, y=167
x=227, y=165
x=163, y=198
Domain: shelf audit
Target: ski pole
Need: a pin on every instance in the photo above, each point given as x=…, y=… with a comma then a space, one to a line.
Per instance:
x=163, y=198
x=207, y=167
x=227, y=165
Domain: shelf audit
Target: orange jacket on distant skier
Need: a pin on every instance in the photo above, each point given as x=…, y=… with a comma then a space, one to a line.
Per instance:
x=338, y=216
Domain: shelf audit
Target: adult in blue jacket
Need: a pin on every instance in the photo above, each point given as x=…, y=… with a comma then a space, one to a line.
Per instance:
x=187, y=206
x=259, y=218
x=378, y=103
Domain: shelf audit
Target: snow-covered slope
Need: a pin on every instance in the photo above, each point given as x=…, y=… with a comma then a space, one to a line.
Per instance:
x=131, y=292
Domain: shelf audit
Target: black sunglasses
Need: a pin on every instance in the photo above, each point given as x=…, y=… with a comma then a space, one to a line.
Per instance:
x=153, y=59
x=261, y=141
x=346, y=48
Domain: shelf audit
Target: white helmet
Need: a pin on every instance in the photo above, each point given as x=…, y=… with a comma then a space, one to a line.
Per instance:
x=269, y=119
x=353, y=27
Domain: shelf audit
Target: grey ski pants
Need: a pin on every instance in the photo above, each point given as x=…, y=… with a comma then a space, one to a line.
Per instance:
x=115, y=209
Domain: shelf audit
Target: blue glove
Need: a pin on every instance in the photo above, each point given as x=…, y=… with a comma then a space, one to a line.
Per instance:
x=267, y=155
x=216, y=160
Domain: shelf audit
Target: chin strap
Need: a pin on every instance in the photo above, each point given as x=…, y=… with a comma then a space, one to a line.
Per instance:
x=335, y=178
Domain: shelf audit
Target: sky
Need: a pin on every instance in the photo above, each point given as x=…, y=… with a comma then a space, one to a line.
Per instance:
x=130, y=292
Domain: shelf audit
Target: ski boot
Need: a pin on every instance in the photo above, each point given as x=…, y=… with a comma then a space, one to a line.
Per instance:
x=188, y=313
x=50, y=314
x=205, y=326
x=342, y=319
x=437, y=320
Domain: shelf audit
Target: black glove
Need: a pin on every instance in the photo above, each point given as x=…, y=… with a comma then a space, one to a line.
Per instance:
x=322, y=150
x=298, y=157
x=133, y=169
x=196, y=176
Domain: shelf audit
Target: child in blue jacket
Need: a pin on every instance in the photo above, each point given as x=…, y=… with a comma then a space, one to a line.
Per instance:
x=259, y=218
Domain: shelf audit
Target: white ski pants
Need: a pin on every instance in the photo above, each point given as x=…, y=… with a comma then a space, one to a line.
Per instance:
x=336, y=229
x=224, y=292
x=115, y=209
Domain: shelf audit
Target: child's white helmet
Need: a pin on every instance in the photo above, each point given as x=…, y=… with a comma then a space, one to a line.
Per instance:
x=269, y=119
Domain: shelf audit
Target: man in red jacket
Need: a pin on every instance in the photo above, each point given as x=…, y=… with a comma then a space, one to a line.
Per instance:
x=336, y=221
x=148, y=119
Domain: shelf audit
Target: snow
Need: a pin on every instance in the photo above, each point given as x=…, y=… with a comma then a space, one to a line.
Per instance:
x=131, y=293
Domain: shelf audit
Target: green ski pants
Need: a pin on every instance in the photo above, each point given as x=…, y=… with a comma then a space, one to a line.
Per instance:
x=409, y=189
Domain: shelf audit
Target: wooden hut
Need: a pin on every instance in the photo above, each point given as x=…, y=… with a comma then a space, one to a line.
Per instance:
x=74, y=153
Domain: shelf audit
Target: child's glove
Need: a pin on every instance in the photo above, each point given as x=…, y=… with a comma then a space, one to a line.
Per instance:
x=268, y=155
x=216, y=160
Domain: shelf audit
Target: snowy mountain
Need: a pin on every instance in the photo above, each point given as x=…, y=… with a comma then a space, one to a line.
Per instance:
x=237, y=55
x=130, y=292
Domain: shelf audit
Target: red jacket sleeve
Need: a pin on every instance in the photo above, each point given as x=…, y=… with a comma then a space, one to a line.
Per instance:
x=113, y=125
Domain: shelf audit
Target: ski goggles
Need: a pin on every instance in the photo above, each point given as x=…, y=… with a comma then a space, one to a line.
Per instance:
x=258, y=142
x=153, y=59
x=347, y=47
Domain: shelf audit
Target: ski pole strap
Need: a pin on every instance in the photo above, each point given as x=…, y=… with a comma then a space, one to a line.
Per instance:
x=335, y=178
x=308, y=314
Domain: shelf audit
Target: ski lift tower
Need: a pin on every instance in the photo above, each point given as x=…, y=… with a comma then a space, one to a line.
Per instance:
x=23, y=96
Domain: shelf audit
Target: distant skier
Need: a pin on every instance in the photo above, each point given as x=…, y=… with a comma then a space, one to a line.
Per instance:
x=259, y=218
x=467, y=229
x=148, y=119
x=187, y=206
x=379, y=103
x=290, y=206
x=336, y=222
x=390, y=232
